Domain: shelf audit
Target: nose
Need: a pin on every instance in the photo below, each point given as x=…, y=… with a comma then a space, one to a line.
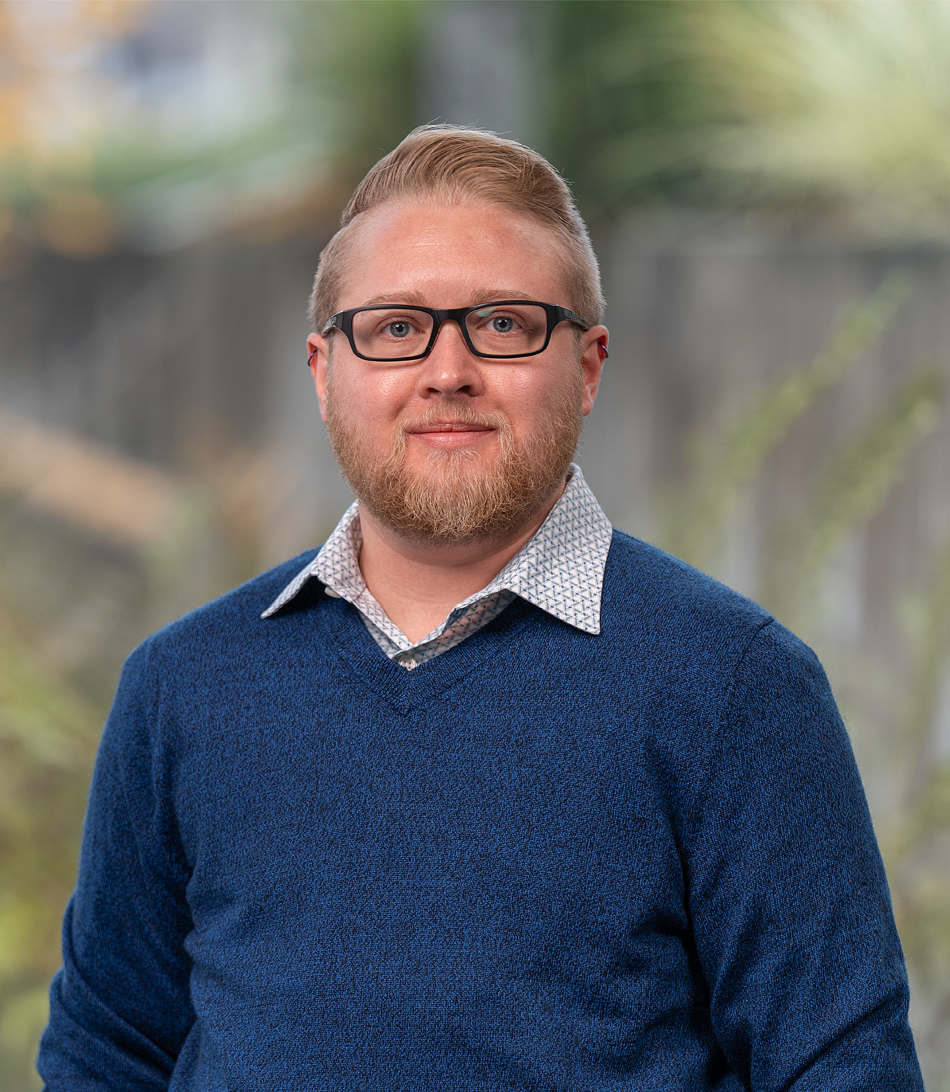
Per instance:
x=451, y=367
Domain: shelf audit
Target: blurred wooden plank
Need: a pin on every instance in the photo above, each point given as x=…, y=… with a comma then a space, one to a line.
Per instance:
x=123, y=500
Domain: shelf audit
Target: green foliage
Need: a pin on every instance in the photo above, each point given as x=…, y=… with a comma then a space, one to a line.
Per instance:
x=48, y=736
x=842, y=102
x=694, y=517
x=626, y=101
x=801, y=104
x=357, y=63
x=853, y=487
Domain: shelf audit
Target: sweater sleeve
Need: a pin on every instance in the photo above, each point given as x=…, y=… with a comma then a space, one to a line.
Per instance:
x=119, y=1008
x=787, y=893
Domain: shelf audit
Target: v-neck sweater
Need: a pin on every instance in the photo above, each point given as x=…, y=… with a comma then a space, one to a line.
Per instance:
x=547, y=859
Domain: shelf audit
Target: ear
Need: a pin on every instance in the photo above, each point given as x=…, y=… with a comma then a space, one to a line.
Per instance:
x=593, y=355
x=318, y=350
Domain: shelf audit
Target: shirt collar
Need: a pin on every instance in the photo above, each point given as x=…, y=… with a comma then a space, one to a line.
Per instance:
x=560, y=569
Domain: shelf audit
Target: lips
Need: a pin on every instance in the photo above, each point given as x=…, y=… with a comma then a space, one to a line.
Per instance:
x=450, y=426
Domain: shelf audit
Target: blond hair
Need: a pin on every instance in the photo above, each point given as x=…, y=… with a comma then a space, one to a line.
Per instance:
x=460, y=164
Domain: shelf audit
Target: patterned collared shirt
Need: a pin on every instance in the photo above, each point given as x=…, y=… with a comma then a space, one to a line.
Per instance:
x=560, y=570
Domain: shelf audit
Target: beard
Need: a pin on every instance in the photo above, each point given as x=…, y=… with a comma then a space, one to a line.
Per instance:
x=455, y=498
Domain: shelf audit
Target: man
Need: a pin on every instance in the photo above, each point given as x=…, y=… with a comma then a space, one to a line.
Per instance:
x=482, y=795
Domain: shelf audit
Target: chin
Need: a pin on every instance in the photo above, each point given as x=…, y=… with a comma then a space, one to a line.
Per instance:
x=485, y=492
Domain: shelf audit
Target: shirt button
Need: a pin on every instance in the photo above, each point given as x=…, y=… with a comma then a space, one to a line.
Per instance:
x=408, y=662
x=332, y=594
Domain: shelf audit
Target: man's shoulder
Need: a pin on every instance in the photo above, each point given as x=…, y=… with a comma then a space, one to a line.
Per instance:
x=236, y=612
x=648, y=588
x=684, y=637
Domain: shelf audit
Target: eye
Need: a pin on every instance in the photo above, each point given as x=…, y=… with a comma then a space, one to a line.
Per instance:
x=492, y=321
x=399, y=329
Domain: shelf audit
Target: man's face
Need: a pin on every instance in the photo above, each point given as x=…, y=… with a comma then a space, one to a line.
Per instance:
x=455, y=447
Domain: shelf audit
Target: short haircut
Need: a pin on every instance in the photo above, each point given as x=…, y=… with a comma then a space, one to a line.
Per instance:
x=460, y=164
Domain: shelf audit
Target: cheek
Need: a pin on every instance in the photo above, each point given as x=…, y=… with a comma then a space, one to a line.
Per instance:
x=364, y=403
x=540, y=397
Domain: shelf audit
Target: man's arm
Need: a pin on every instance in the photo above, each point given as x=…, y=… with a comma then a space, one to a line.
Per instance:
x=119, y=1008
x=788, y=897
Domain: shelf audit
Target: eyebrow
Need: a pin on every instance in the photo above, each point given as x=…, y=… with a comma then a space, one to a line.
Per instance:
x=483, y=295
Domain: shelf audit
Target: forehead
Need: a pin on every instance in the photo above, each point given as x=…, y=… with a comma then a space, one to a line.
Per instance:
x=451, y=255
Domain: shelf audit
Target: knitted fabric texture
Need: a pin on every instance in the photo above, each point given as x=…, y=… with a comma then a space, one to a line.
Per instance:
x=545, y=860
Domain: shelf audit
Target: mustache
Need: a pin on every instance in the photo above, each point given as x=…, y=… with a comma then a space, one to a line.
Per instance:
x=454, y=415
x=460, y=416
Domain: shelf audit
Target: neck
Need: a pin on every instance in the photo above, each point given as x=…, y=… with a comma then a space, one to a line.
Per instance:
x=418, y=583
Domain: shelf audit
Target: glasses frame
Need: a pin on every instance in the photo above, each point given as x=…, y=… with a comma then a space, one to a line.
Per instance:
x=343, y=321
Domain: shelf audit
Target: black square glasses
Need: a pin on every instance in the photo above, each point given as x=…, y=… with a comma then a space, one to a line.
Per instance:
x=500, y=330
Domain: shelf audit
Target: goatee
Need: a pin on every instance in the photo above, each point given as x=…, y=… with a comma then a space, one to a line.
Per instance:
x=459, y=499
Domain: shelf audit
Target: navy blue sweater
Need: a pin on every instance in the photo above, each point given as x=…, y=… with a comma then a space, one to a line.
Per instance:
x=545, y=860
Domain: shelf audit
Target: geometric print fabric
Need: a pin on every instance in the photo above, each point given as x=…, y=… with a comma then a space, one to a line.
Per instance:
x=560, y=570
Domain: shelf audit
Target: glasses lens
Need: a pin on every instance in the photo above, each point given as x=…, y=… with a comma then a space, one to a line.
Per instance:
x=509, y=329
x=391, y=333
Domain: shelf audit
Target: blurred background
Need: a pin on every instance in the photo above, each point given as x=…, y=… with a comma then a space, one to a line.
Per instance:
x=768, y=187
